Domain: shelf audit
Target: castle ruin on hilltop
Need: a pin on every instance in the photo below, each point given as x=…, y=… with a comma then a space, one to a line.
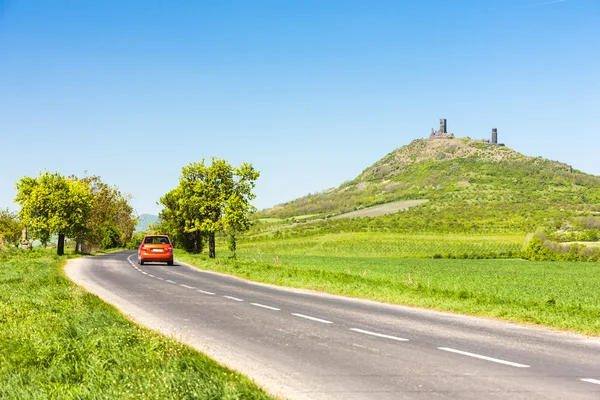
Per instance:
x=442, y=133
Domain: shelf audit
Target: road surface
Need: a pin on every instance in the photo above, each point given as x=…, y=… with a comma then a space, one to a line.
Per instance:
x=301, y=344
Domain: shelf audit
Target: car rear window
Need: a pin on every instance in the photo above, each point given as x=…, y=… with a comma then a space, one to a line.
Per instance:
x=156, y=240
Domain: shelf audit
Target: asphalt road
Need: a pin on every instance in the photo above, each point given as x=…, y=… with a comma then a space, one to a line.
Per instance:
x=306, y=345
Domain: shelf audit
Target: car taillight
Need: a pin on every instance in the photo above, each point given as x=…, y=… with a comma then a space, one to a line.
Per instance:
x=170, y=248
x=143, y=248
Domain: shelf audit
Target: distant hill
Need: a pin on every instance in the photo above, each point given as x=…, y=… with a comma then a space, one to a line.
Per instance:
x=144, y=221
x=469, y=184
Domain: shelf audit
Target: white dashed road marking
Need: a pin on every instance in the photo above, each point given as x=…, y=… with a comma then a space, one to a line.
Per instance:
x=465, y=353
x=595, y=381
x=379, y=335
x=233, y=298
x=312, y=318
x=267, y=307
x=496, y=360
x=186, y=286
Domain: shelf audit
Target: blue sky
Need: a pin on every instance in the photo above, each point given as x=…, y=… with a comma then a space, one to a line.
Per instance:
x=310, y=92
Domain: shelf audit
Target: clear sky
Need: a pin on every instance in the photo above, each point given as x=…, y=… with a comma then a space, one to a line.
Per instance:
x=311, y=92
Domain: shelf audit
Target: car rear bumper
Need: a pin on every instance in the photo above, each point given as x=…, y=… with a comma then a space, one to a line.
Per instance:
x=156, y=257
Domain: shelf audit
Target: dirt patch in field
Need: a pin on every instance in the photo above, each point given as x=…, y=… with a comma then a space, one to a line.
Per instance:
x=382, y=209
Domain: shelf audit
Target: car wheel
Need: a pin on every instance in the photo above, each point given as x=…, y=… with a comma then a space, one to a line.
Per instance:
x=141, y=261
x=169, y=262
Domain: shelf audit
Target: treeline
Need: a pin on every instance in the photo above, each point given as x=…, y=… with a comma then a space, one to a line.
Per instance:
x=541, y=248
x=93, y=214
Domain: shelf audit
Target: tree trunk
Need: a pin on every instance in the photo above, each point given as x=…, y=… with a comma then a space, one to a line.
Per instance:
x=60, y=247
x=196, y=242
x=211, y=245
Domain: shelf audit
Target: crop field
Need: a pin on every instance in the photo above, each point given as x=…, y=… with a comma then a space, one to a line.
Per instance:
x=59, y=342
x=557, y=294
x=388, y=245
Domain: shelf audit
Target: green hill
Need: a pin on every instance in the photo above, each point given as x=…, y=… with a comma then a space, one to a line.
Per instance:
x=471, y=186
x=144, y=221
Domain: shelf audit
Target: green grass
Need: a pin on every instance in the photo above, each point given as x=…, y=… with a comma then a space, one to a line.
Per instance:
x=356, y=244
x=59, y=342
x=271, y=220
x=556, y=294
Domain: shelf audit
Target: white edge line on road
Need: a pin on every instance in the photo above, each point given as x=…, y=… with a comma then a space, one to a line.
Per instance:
x=233, y=298
x=170, y=281
x=186, y=286
x=596, y=381
x=496, y=360
x=267, y=307
x=379, y=335
x=205, y=292
x=151, y=276
x=145, y=273
x=312, y=318
x=158, y=277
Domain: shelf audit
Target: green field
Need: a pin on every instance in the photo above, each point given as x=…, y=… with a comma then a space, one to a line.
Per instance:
x=356, y=244
x=59, y=342
x=557, y=294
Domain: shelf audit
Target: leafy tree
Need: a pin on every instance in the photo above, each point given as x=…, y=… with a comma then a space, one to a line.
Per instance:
x=10, y=227
x=211, y=198
x=172, y=222
x=54, y=204
x=111, y=221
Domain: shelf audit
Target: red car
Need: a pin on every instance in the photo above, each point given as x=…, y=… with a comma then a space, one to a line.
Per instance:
x=155, y=248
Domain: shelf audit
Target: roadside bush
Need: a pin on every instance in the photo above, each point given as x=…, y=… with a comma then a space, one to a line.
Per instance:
x=541, y=249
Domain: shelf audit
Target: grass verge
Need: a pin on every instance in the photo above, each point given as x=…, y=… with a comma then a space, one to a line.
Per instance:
x=58, y=341
x=562, y=295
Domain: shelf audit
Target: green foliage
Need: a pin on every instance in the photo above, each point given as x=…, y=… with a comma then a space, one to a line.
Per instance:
x=59, y=342
x=10, y=227
x=88, y=210
x=110, y=222
x=53, y=204
x=540, y=248
x=209, y=199
x=111, y=238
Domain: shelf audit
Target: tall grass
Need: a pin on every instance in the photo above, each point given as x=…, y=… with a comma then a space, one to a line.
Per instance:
x=57, y=341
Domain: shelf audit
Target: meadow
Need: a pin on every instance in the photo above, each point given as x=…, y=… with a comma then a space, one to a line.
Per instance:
x=377, y=244
x=58, y=341
x=562, y=295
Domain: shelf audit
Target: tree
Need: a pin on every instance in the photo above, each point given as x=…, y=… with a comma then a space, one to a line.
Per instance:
x=10, y=227
x=172, y=222
x=211, y=198
x=53, y=204
x=110, y=222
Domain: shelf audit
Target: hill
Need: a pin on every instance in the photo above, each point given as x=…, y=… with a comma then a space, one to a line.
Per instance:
x=471, y=186
x=144, y=221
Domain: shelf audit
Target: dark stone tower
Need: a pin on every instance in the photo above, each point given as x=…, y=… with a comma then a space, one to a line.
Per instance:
x=443, y=126
x=494, y=136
